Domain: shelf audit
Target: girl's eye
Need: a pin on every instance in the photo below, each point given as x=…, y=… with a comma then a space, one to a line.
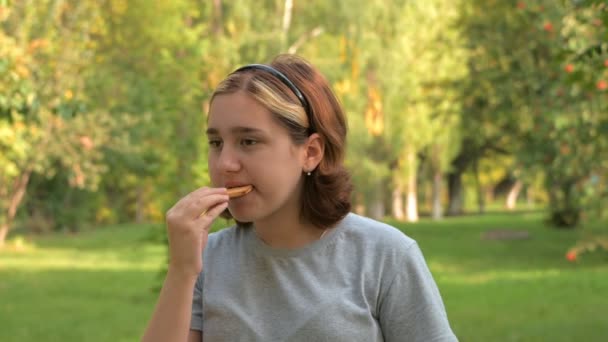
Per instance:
x=215, y=143
x=248, y=142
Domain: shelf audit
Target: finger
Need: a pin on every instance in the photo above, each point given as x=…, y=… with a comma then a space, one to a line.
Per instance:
x=212, y=213
x=209, y=190
x=200, y=205
x=202, y=191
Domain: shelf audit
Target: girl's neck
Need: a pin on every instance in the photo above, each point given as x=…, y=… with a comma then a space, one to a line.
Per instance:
x=286, y=231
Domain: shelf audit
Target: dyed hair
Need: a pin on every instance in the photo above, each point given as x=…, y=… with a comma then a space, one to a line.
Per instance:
x=326, y=192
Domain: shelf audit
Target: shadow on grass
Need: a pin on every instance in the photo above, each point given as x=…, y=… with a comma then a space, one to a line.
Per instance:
x=108, y=237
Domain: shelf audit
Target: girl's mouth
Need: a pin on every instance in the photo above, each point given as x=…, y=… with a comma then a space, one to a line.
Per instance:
x=239, y=191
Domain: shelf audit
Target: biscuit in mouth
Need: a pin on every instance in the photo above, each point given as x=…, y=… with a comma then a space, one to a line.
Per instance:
x=239, y=191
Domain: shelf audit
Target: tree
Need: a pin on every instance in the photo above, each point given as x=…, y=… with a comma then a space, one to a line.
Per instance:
x=45, y=123
x=535, y=92
x=570, y=128
x=422, y=101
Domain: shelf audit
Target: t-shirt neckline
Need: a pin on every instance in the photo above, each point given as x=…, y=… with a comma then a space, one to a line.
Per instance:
x=261, y=248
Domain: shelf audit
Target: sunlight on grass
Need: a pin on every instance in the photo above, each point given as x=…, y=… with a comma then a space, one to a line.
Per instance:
x=118, y=248
x=458, y=274
x=496, y=276
x=71, y=259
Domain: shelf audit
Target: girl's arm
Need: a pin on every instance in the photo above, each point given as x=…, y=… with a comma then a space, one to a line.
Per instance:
x=188, y=224
x=171, y=318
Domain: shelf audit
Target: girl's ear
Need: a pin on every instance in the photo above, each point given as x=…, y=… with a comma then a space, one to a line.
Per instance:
x=314, y=149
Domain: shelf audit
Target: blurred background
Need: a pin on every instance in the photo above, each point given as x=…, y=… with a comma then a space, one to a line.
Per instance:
x=477, y=127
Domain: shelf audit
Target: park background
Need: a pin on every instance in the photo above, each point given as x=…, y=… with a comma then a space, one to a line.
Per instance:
x=477, y=127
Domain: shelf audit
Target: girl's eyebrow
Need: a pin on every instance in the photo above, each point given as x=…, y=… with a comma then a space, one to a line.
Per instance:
x=236, y=129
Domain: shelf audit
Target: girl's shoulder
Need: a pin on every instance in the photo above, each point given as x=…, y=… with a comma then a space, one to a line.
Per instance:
x=374, y=234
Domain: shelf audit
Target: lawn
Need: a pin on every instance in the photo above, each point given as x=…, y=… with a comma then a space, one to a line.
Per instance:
x=99, y=285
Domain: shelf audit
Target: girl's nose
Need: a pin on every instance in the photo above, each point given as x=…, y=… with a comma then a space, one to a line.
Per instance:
x=229, y=161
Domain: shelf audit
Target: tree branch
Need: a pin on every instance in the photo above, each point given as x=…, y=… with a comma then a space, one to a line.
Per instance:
x=304, y=38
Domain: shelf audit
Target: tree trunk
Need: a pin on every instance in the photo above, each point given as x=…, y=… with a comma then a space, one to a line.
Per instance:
x=377, y=209
x=15, y=198
x=139, y=204
x=513, y=193
x=481, y=205
x=398, y=203
x=412, y=202
x=437, y=209
x=185, y=155
x=216, y=24
x=3, y=233
x=398, y=212
x=455, y=193
x=564, y=206
x=286, y=23
x=529, y=197
x=359, y=205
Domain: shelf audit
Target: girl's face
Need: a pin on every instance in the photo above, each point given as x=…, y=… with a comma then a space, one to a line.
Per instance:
x=248, y=146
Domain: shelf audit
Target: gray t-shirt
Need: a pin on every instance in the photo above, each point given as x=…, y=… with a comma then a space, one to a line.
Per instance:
x=364, y=281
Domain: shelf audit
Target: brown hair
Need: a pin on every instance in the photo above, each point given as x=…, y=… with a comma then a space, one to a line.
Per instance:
x=326, y=193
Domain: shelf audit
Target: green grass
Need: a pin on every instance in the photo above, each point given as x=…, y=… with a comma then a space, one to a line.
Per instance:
x=97, y=285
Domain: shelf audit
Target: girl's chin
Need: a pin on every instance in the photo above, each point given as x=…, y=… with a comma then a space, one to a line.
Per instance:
x=246, y=208
x=241, y=215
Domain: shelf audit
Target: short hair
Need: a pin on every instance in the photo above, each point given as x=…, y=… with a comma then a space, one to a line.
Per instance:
x=326, y=195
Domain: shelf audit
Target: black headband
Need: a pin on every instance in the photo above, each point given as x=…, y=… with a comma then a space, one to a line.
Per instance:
x=276, y=73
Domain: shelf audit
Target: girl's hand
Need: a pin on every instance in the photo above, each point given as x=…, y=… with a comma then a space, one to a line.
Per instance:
x=188, y=223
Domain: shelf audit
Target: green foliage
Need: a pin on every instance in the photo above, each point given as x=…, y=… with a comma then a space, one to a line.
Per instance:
x=535, y=91
x=497, y=87
x=48, y=126
x=568, y=137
